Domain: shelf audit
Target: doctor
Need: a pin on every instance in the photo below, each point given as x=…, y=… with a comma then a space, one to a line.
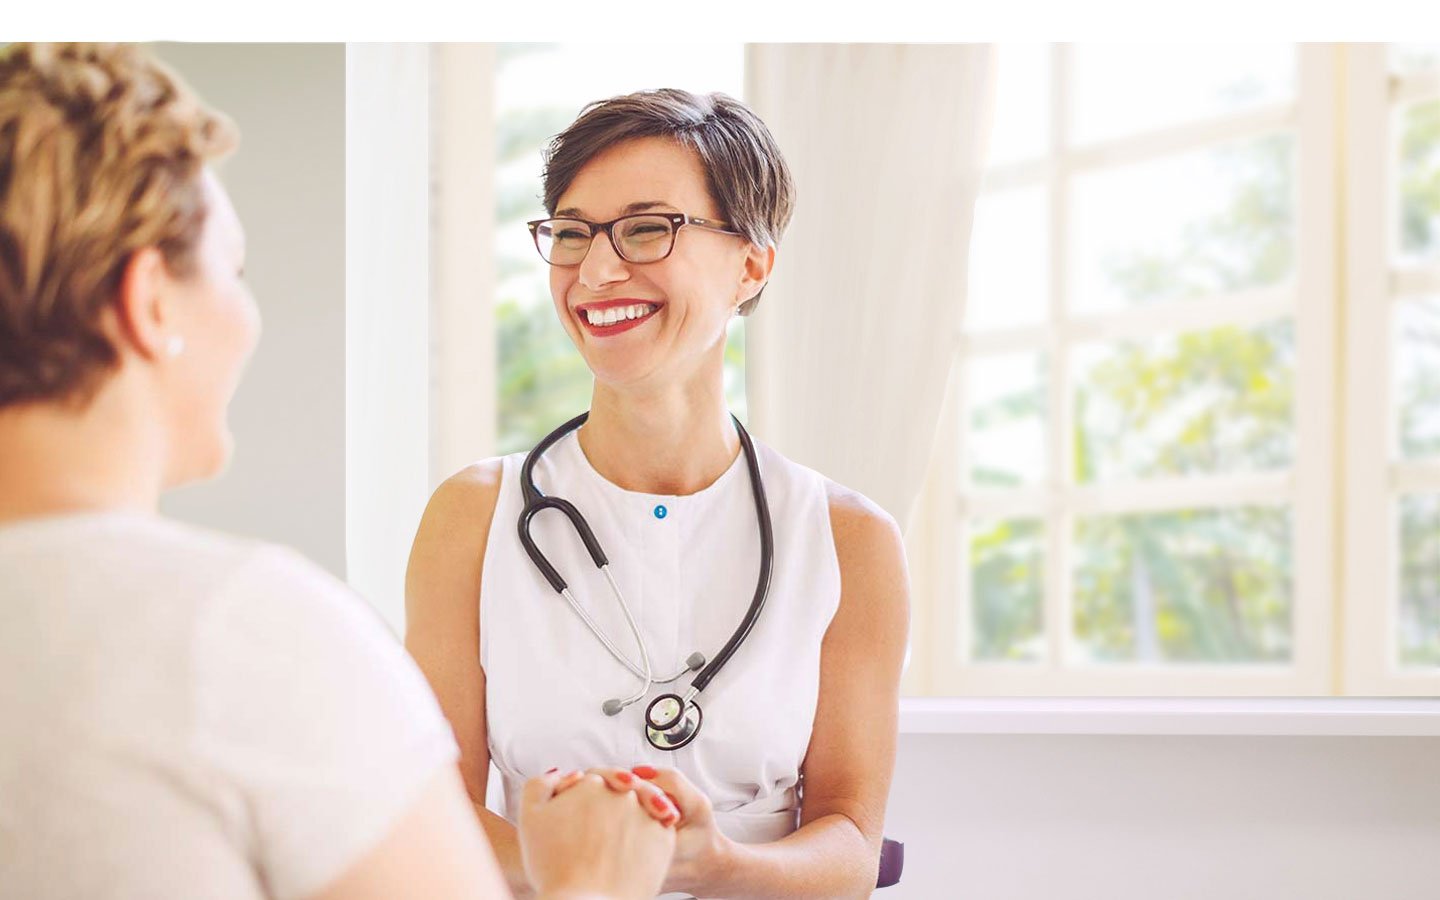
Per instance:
x=664, y=212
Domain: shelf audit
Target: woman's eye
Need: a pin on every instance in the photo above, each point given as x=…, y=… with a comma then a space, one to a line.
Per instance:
x=647, y=231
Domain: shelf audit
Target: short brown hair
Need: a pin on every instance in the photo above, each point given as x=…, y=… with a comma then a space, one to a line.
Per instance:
x=745, y=172
x=101, y=153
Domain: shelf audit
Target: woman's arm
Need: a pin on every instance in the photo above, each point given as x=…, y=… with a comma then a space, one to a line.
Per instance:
x=847, y=771
x=442, y=632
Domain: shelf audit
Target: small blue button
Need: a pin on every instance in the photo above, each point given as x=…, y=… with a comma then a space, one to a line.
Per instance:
x=660, y=511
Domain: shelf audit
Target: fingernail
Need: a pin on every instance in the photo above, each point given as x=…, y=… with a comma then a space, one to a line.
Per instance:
x=660, y=804
x=624, y=777
x=645, y=771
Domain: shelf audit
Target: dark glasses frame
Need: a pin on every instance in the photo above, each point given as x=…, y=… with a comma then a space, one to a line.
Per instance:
x=677, y=222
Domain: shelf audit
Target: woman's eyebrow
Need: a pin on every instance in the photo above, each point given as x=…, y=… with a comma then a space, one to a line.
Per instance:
x=641, y=206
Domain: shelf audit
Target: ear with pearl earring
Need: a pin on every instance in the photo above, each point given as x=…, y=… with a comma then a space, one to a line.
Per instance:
x=176, y=345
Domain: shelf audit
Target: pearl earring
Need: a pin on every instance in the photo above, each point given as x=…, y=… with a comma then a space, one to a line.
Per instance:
x=176, y=345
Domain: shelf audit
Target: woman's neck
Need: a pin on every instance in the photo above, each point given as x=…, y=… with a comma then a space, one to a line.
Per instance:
x=56, y=460
x=676, y=440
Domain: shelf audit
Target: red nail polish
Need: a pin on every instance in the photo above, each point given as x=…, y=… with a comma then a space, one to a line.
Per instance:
x=645, y=771
x=659, y=803
x=624, y=777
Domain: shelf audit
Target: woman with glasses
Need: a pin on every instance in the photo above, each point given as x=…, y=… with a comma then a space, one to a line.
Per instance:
x=665, y=212
x=185, y=713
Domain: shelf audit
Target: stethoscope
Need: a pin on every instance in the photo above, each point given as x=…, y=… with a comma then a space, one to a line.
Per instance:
x=671, y=721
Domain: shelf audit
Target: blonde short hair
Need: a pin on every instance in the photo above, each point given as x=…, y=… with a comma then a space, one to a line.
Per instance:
x=101, y=154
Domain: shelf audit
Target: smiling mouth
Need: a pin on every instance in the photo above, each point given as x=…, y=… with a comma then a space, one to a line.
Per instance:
x=617, y=315
x=604, y=321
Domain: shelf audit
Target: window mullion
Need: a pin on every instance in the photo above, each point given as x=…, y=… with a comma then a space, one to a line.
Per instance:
x=1057, y=596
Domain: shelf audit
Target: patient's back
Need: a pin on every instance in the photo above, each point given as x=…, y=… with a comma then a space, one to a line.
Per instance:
x=184, y=714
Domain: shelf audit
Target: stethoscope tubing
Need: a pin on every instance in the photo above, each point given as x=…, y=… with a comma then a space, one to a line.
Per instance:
x=536, y=502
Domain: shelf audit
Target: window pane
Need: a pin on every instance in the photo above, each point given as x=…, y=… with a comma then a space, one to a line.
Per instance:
x=543, y=380
x=1420, y=580
x=1006, y=590
x=1199, y=403
x=1127, y=88
x=1007, y=420
x=1022, y=107
x=1194, y=586
x=1419, y=182
x=1417, y=376
x=1191, y=225
x=1009, y=260
x=1412, y=59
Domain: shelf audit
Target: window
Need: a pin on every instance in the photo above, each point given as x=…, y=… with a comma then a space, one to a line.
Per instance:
x=1393, y=342
x=1140, y=437
x=540, y=89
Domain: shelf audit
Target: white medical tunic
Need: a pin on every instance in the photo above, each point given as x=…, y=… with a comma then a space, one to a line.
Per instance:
x=688, y=567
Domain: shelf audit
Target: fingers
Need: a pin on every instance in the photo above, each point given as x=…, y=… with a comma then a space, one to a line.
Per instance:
x=650, y=797
x=686, y=797
x=568, y=780
x=538, y=791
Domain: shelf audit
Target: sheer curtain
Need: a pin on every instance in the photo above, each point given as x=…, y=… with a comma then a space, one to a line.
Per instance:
x=850, y=350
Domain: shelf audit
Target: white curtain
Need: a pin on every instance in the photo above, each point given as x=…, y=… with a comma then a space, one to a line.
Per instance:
x=850, y=350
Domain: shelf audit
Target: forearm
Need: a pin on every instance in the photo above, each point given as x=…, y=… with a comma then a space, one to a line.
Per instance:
x=505, y=842
x=829, y=857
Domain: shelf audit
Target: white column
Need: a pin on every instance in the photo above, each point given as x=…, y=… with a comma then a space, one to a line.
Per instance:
x=387, y=291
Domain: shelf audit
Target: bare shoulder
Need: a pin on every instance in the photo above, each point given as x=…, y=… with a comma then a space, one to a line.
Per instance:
x=445, y=559
x=474, y=489
x=862, y=529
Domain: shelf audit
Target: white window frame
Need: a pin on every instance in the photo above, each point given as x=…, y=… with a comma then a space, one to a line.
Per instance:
x=939, y=583
x=1375, y=287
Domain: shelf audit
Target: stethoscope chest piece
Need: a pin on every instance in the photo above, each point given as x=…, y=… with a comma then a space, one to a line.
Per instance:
x=671, y=722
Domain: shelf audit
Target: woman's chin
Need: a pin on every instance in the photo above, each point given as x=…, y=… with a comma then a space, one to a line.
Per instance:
x=202, y=459
x=618, y=368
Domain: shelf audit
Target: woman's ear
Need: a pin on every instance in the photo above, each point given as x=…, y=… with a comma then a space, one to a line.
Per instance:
x=759, y=261
x=143, y=304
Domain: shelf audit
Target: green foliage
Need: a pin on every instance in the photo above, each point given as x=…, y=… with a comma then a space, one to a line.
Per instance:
x=1209, y=586
x=1192, y=586
x=1419, y=175
x=1419, y=636
x=1007, y=559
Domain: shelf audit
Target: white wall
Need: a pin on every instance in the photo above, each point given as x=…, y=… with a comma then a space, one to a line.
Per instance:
x=1082, y=817
x=287, y=180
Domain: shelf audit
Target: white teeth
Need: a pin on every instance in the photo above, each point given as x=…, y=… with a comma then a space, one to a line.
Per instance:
x=617, y=313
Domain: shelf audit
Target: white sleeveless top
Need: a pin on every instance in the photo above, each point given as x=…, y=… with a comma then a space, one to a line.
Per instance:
x=687, y=566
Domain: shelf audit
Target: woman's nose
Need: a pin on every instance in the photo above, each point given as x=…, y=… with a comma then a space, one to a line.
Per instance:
x=602, y=265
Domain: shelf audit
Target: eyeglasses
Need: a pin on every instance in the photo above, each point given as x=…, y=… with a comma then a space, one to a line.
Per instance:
x=642, y=238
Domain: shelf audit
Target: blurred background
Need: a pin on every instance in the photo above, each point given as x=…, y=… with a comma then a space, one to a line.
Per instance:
x=1191, y=440
x=1186, y=434
x=1184, y=400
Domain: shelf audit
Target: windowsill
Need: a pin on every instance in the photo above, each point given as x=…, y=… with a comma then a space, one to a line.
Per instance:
x=1239, y=716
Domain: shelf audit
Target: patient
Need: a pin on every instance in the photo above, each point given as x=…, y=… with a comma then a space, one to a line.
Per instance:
x=183, y=713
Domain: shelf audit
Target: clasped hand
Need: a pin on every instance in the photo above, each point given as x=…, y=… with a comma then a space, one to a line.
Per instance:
x=617, y=832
